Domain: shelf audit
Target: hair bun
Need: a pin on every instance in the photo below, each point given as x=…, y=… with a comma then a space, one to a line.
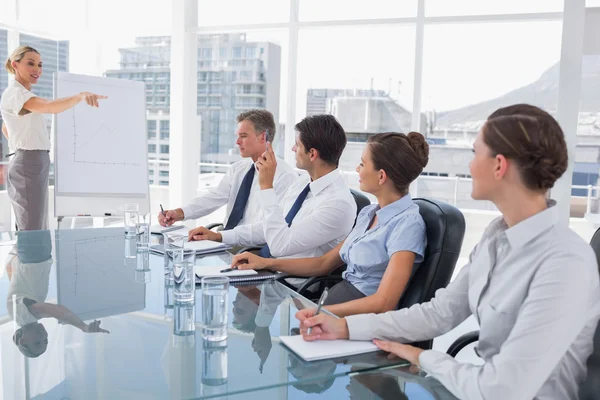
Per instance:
x=419, y=146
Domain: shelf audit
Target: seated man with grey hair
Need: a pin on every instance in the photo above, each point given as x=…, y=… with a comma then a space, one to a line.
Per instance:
x=239, y=187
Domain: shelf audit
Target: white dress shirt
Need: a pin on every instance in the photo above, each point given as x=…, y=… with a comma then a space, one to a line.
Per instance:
x=26, y=130
x=534, y=290
x=324, y=220
x=227, y=190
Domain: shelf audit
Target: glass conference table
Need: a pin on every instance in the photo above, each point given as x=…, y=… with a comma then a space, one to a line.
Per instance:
x=144, y=356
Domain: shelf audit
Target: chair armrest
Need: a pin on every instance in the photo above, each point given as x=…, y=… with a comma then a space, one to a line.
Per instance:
x=303, y=289
x=251, y=249
x=462, y=342
x=217, y=225
x=281, y=278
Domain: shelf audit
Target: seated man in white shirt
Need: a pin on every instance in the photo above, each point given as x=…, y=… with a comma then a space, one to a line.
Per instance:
x=317, y=212
x=239, y=187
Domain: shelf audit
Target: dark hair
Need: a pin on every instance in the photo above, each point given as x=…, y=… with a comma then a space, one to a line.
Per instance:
x=533, y=139
x=324, y=134
x=262, y=120
x=401, y=156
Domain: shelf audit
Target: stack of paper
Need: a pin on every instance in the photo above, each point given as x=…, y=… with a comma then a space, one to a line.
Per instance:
x=158, y=229
x=324, y=349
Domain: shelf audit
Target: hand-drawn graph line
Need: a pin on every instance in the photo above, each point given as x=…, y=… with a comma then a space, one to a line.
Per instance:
x=102, y=128
x=81, y=260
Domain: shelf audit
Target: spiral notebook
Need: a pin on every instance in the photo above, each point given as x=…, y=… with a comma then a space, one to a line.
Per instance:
x=214, y=265
x=248, y=277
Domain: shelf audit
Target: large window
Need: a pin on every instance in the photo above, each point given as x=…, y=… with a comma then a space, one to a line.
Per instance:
x=367, y=89
x=252, y=78
x=231, y=12
x=318, y=10
x=488, y=66
x=486, y=7
x=352, y=58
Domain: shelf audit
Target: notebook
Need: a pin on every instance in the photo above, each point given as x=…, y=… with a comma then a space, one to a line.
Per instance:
x=158, y=229
x=201, y=247
x=325, y=349
x=215, y=270
x=213, y=265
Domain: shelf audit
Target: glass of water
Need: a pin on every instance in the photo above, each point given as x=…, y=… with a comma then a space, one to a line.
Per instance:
x=183, y=276
x=142, y=229
x=130, y=247
x=214, y=363
x=184, y=319
x=173, y=244
x=142, y=268
x=215, y=290
x=130, y=218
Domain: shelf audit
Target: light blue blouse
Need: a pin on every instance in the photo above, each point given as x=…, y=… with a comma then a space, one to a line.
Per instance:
x=368, y=252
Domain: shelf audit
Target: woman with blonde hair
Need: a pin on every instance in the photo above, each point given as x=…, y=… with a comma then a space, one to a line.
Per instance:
x=28, y=137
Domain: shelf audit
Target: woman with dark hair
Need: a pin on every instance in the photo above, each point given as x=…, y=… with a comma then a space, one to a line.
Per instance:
x=388, y=241
x=531, y=282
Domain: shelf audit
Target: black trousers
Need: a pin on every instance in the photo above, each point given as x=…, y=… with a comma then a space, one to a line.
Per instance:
x=343, y=292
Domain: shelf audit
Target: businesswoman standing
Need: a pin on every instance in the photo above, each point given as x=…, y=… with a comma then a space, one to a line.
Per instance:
x=28, y=138
x=388, y=241
x=531, y=282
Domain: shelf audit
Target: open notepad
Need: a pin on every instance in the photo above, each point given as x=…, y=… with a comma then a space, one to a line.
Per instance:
x=158, y=229
x=325, y=349
x=212, y=266
x=215, y=270
x=200, y=247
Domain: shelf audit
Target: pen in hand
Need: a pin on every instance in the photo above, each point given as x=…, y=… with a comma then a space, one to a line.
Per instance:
x=162, y=210
x=319, y=306
x=228, y=270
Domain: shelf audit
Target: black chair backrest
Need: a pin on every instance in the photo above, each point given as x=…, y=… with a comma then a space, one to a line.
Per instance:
x=445, y=226
x=590, y=388
x=361, y=201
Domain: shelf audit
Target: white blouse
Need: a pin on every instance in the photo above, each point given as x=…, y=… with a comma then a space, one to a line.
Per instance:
x=26, y=130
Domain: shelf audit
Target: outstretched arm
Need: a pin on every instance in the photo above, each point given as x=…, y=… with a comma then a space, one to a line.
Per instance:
x=46, y=310
x=43, y=106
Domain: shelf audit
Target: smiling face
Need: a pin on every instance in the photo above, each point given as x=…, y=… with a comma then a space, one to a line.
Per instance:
x=369, y=178
x=29, y=68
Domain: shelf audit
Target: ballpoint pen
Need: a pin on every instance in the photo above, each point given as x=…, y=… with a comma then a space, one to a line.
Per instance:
x=162, y=210
x=228, y=270
x=319, y=305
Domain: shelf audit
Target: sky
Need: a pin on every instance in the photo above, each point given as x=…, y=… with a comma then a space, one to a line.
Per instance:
x=462, y=63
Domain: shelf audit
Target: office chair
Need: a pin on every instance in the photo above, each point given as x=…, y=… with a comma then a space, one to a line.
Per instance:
x=590, y=387
x=445, y=229
x=361, y=202
x=216, y=226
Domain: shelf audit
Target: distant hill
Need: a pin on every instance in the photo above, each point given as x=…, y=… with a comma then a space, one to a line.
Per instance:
x=542, y=92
